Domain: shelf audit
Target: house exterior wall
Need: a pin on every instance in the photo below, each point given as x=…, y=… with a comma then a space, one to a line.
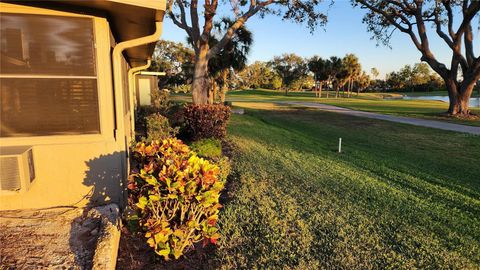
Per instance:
x=77, y=170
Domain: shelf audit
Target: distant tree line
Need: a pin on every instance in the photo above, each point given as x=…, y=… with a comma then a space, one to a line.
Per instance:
x=288, y=72
x=416, y=78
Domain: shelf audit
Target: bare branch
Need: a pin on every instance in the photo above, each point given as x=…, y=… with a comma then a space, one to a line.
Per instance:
x=448, y=8
x=210, y=10
x=468, y=40
x=387, y=16
x=233, y=29
x=194, y=19
x=438, y=24
x=427, y=54
x=468, y=14
x=183, y=22
x=182, y=13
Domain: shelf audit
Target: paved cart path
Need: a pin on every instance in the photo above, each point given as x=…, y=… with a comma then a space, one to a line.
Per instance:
x=392, y=118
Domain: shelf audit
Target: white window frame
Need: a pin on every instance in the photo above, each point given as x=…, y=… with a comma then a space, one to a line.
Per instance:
x=103, y=78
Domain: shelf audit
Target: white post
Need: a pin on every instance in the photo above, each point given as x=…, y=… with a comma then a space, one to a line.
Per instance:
x=339, y=145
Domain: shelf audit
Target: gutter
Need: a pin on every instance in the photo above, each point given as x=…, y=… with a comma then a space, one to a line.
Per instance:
x=121, y=116
x=133, y=91
x=118, y=74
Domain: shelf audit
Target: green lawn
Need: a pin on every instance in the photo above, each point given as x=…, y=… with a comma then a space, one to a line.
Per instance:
x=372, y=102
x=434, y=93
x=427, y=109
x=398, y=197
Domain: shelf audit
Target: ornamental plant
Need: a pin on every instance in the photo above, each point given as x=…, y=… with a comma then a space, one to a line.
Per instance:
x=158, y=127
x=175, y=196
x=206, y=121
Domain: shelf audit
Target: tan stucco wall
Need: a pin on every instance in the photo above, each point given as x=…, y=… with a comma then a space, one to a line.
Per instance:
x=68, y=174
x=70, y=168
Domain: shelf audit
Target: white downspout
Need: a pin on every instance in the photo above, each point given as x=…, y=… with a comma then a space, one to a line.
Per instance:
x=133, y=90
x=118, y=74
x=120, y=136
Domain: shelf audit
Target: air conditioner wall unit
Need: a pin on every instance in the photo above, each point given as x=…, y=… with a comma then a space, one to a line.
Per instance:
x=17, y=169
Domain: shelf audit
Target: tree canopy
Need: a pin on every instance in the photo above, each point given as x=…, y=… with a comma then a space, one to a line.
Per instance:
x=451, y=21
x=176, y=60
x=291, y=68
x=186, y=15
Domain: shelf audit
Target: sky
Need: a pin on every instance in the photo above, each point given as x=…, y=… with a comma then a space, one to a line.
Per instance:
x=344, y=33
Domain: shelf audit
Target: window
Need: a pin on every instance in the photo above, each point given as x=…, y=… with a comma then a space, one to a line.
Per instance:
x=48, y=79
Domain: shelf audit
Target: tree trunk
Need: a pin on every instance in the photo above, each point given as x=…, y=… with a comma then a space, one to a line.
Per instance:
x=223, y=93
x=200, y=83
x=349, y=87
x=320, y=90
x=224, y=88
x=459, y=96
x=212, y=92
x=215, y=91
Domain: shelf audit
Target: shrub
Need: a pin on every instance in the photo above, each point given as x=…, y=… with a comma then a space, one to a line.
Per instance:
x=160, y=101
x=182, y=88
x=208, y=148
x=158, y=127
x=225, y=168
x=175, y=195
x=206, y=121
x=175, y=115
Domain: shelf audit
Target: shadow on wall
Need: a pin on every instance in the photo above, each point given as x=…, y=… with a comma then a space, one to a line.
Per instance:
x=104, y=177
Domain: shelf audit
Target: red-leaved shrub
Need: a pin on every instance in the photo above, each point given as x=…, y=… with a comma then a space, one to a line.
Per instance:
x=206, y=121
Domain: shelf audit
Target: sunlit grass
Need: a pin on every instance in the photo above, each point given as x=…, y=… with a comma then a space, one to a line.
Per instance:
x=398, y=197
x=371, y=102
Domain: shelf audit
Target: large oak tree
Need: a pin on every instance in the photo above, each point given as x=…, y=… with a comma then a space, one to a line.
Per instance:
x=451, y=20
x=291, y=68
x=186, y=15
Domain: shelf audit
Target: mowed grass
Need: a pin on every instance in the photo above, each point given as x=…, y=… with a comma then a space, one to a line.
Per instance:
x=397, y=197
x=371, y=102
x=427, y=109
x=475, y=93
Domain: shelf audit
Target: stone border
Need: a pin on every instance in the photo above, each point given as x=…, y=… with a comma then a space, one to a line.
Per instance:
x=106, y=251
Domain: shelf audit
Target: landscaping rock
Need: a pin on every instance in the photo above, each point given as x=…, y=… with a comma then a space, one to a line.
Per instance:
x=109, y=238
